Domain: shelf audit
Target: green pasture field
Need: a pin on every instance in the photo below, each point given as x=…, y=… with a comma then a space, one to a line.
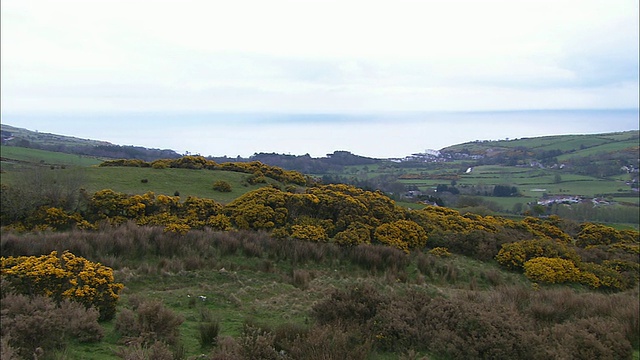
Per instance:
x=564, y=143
x=13, y=155
x=592, y=188
x=534, y=183
x=577, y=143
x=635, y=201
x=507, y=203
x=604, y=148
x=187, y=182
x=533, y=179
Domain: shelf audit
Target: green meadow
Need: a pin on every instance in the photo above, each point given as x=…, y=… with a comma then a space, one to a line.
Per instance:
x=185, y=182
x=14, y=156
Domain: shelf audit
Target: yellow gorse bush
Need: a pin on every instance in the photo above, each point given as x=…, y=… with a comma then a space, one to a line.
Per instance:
x=308, y=232
x=440, y=252
x=401, y=234
x=551, y=270
x=64, y=277
x=515, y=255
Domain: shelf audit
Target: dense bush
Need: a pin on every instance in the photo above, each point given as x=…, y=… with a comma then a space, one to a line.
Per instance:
x=551, y=270
x=349, y=216
x=357, y=305
x=148, y=323
x=308, y=232
x=440, y=252
x=515, y=255
x=596, y=234
x=64, y=277
x=356, y=233
x=394, y=310
x=222, y=186
x=508, y=323
x=29, y=323
x=589, y=338
x=401, y=234
x=256, y=168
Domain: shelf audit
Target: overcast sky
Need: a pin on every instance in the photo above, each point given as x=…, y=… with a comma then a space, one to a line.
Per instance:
x=329, y=56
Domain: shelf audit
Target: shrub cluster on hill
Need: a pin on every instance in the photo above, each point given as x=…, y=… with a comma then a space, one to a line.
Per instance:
x=505, y=324
x=256, y=168
x=64, y=277
x=594, y=255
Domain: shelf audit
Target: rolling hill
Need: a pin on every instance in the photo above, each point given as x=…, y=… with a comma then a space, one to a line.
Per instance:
x=548, y=170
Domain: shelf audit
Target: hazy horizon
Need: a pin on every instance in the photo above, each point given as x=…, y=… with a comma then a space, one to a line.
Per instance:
x=303, y=76
x=381, y=135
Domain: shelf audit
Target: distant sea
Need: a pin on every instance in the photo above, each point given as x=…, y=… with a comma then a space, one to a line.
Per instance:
x=380, y=135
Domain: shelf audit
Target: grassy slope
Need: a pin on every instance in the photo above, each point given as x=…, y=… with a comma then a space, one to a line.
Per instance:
x=245, y=290
x=198, y=183
x=262, y=289
x=187, y=182
x=129, y=179
x=577, y=143
x=13, y=155
x=41, y=138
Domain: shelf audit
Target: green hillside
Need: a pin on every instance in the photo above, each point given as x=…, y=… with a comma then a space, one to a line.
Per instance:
x=17, y=161
x=28, y=137
x=186, y=182
x=588, y=166
x=305, y=270
x=14, y=156
x=568, y=145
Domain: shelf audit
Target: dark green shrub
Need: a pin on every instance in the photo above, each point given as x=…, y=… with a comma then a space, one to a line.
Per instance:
x=222, y=186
